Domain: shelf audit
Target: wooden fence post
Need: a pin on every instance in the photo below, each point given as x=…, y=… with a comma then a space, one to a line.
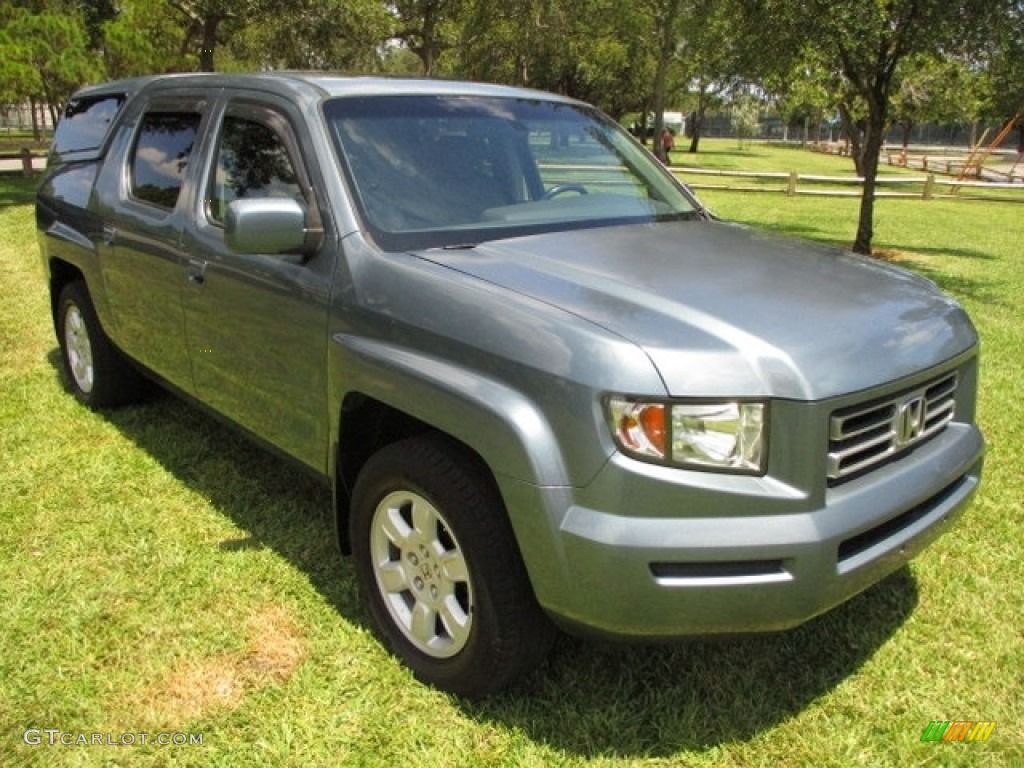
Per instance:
x=26, y=161
x=929, y=186
x=791, y=187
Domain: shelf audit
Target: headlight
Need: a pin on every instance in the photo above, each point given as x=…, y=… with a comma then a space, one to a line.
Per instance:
x=725, y=436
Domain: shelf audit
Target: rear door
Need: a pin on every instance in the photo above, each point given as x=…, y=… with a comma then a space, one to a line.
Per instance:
x=257, y=323
x=142, y=198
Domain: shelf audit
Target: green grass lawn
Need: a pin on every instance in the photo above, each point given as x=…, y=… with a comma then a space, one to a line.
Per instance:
x=160, y=575
x=12, y=140
x=759, y=156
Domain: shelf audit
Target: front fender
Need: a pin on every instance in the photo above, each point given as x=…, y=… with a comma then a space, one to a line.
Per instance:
x=503, y=426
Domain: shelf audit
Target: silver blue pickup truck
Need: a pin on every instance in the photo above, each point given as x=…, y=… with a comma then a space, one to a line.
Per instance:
x=547, y=387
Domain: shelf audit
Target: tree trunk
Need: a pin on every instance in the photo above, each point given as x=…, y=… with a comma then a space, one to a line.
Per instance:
x=644, y=112
x=660, y=77
x=872, y=149
x=426, y=57
x=209, y=43
x=35, y=118
x=698, y=122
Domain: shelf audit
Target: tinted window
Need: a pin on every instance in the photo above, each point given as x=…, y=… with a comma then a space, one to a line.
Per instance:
x=85, y=123
x=161, y=155
x=252, y=161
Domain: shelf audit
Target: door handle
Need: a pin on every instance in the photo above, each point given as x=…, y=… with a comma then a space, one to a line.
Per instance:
x=196, y=271
x=109, y=234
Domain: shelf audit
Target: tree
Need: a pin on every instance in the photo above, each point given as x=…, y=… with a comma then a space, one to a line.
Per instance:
x=806, y=94
x=712, y=57
x=153, y=36
x=1005, y=68
x=594, y=50
x=427, y=27
x=45, y=58
x=936, y=89
x=145, y=38
x=866, y=41
x=319, y=34
x=202, y=25
x=18, y=79
x=745, y=115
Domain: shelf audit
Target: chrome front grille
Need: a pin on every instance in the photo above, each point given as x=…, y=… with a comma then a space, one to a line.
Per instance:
x=866, y=435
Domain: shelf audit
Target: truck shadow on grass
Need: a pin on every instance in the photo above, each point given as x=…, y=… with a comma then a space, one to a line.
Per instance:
x=595, y=699
x=589, y=698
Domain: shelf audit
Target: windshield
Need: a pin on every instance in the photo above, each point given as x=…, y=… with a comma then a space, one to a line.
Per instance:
x=437, y=171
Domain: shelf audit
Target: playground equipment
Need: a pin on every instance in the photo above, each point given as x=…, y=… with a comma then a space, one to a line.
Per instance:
x=980, y=152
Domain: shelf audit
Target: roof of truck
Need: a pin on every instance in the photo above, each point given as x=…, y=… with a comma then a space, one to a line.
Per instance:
x=324, y=84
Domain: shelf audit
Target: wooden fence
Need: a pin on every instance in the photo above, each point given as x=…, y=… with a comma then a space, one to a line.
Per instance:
x=928, y=187
x=24, y=162
x=961, y=166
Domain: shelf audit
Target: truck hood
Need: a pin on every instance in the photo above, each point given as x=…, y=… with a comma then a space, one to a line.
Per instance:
x=723, y=310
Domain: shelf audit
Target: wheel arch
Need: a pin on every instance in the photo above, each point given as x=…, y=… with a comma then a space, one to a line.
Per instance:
x=63, y=273
x=498, y=426
x=366, y=425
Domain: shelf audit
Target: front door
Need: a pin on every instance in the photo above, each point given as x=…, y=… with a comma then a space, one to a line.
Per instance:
x=257, y=323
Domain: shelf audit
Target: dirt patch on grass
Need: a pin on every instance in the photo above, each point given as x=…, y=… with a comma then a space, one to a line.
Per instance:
x=893, y=255
x=274, y=650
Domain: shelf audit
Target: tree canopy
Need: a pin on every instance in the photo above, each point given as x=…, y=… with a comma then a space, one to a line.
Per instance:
x=874, y=63
x=872, y=44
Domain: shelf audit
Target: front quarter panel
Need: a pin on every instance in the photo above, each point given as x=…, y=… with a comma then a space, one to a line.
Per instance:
x=509, y=377
x=530, y=372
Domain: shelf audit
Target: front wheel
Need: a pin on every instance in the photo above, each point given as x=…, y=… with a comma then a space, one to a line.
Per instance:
x=439, y=570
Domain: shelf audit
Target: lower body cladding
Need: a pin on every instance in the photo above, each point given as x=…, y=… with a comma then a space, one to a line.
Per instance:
x=649, y=573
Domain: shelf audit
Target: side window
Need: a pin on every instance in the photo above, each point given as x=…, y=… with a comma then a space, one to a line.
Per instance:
x=85, y=123
x=252, y=161
x=162, y=149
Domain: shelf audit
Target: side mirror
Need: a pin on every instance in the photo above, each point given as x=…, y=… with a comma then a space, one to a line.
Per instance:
x=266, y=225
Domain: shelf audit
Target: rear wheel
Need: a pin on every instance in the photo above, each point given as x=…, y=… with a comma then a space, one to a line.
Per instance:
x=439, y=569
x=97, y=372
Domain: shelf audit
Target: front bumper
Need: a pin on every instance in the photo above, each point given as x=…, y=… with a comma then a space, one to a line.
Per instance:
x=640, y=553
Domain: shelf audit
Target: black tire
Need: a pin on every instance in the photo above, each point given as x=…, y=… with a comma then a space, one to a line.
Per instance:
x=97, y=373
x=439, y=571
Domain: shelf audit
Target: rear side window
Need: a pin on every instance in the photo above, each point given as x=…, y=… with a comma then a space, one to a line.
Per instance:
x=86, y=122
x=160, y=158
